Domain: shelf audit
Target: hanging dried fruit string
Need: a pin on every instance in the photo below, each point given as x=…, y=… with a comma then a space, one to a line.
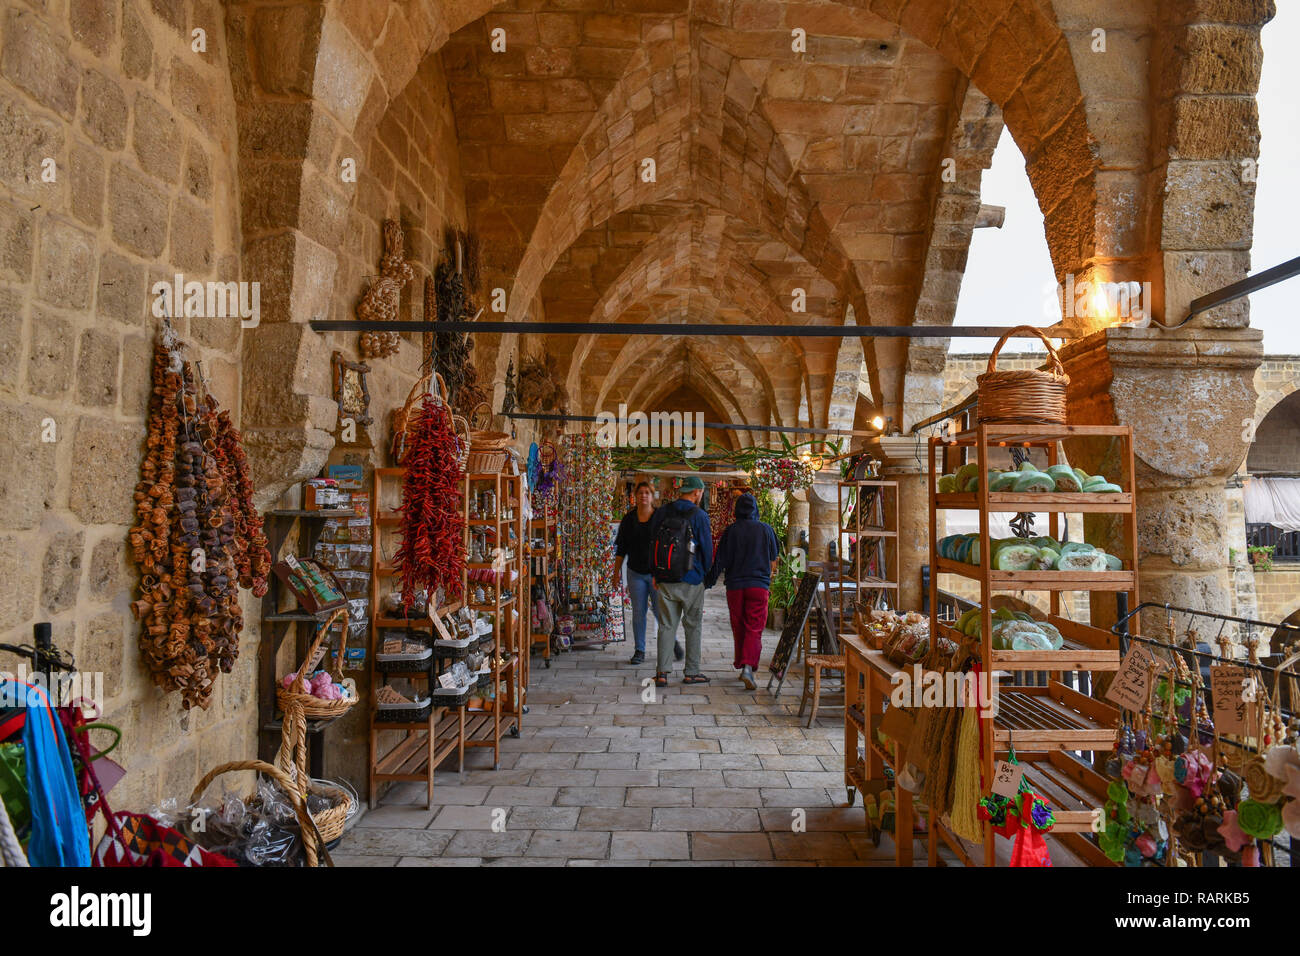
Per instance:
x=188, y=531
x=432, y=550
x=454, y=289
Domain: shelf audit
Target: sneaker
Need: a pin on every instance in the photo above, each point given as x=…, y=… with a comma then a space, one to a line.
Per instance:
x=747, y=677
x=679, y=652
x=637, y=658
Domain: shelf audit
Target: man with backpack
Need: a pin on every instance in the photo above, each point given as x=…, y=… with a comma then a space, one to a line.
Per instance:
x=681, y=553
x=748, y=552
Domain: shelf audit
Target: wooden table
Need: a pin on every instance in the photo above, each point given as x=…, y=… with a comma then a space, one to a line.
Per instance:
x=874, y=672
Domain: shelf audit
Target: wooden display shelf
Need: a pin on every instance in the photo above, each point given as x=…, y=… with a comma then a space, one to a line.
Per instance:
x=1000, y=434
x=1041, y=580
x=1085, y=649
x=1054, y=717
x=1042, y=502
x=312, y=513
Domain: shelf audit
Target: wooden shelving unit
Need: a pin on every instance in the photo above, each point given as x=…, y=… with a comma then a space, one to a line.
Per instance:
x=874, y=523
x=541, y=570
x=425, y=745
x=278, y=624
x=509, y=658
x=1045, y=724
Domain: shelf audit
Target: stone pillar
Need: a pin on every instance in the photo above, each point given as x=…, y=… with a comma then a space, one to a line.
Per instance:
x=899, y=456
x=1186, y=394
x=797, y=520
x=823, y=516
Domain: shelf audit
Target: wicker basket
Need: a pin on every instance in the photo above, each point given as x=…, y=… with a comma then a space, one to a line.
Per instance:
x=1026, y=397
x=407, y=418
x=483, y=462
x=482, y=439
x=297, y=697
x=313, y=839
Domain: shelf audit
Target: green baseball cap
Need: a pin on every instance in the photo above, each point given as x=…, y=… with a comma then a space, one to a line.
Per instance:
x=691, y=483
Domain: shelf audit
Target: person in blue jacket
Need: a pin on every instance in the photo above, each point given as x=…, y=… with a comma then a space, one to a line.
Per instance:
x=683, y=601
x=748, y=552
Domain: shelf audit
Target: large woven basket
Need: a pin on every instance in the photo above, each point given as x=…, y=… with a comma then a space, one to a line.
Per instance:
x=313, y=841
x=297, y=697
x=482, y=439
x=1026, y=396
x=406, y=419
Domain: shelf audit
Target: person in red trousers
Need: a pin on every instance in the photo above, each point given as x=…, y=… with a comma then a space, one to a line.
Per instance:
x=748, y=553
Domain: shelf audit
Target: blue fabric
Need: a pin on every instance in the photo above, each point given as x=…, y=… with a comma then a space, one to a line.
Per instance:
x=746, y=550
x=639, y=589
x=59, y=833
x=702, y=531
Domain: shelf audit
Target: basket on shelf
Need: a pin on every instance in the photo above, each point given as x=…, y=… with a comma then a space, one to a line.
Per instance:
x=483, y=439
x=1024, y=396
x=296, y=697
x=407, y=418
x=313, y=836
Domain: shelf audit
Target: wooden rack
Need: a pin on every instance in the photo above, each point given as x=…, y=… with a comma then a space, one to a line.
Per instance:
x=541, y=569
x=1046, y=725
x=424, y=745
x=875, y=526
x=485, y=726
x=279, y=624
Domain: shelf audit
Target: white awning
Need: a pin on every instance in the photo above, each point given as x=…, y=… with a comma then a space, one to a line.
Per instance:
x=1274, y=501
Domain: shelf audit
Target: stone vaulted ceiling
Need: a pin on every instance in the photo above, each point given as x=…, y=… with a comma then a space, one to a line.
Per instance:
x=776, y=173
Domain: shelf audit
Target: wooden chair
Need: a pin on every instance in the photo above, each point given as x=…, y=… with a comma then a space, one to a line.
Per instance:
x=816, y=663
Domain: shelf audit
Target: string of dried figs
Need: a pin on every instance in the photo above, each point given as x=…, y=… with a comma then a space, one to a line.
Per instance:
x=192, y=501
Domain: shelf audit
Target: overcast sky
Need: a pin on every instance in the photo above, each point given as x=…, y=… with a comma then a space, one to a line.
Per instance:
x=990, y=296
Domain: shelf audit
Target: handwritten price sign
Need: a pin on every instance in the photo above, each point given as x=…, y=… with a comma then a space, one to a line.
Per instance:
x=1006, y=778
x=1235, y=700
x=1131, y=687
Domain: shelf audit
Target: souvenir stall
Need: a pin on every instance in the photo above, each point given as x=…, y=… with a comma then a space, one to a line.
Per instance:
x=590, y=599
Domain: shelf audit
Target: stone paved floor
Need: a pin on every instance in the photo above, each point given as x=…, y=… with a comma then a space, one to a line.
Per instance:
x=706, y=775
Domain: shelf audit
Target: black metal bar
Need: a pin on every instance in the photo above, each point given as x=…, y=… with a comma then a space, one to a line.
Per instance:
x=555, y=417
x=1235, y=290
x=673, y=328
x=1156, y=605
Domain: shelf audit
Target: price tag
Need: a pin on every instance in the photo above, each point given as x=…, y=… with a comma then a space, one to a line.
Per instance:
x=1236, y=696
x=1006, y=778
x=1132, y=684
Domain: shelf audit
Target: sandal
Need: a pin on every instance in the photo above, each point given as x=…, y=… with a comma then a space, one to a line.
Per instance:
x=661, y=679
x=695, y=679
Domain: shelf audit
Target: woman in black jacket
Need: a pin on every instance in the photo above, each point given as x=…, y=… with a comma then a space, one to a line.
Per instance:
x=748, y=553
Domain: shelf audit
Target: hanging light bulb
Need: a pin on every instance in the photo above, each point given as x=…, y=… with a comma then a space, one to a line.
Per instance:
x=878, y=423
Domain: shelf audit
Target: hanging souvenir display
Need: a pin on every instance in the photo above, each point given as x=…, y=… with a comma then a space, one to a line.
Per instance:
x=585, y=516
x=540, y=390
x=381, y=301
x=432, y=550
x=1026, y=818
x=197, y=536
x=721, y=510
x=782, y=474
x=457, y=278
x=545, y=473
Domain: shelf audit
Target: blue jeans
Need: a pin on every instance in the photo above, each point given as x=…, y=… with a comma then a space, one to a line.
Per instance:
x=639, y=590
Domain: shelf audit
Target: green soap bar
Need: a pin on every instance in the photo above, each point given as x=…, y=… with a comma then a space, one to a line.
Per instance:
x=966, y=472
x=1082, y=561
x=1064, y=477
x=1113, y=563
x=1035, y=481
x=1071, y=546
x=1047, y=558
x=1028, y=466
x=947, y=484
x=1004, y=481
x=1104, y=488
x=1017, y=557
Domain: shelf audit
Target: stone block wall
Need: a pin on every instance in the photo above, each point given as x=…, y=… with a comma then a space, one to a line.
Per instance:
x=1277, y=593
x=116, y=170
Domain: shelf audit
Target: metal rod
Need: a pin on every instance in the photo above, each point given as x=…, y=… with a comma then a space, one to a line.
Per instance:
x=1156, y=605
x=1235, y=290
x=553, y=417
x=672, y=328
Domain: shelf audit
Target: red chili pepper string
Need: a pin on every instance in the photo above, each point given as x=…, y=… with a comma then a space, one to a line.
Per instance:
x=432, y=552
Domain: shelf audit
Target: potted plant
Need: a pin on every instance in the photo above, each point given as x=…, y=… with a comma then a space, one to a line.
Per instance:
x=781, y=594
x=1261, y=556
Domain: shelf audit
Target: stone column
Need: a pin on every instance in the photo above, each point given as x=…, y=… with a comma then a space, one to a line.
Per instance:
x=1186, y=394
x=899, y=456
x=797, y=521
x=823, y=516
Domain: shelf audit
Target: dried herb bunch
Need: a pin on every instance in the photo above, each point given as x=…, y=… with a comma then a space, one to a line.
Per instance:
x=193, y=539
x=539, y=389
x=454, y=304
